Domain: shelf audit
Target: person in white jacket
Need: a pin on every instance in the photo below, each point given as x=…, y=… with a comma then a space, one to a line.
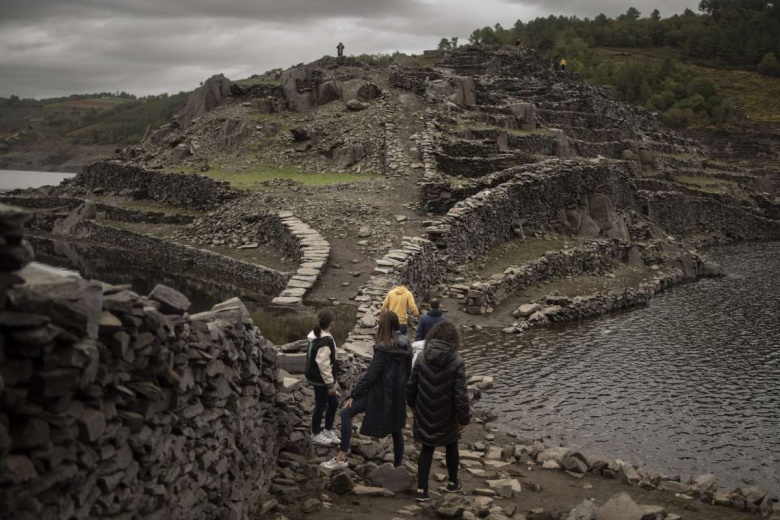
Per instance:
x=320, y=373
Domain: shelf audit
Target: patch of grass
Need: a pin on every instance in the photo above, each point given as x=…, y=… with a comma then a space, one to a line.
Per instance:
x=253, y=177
x=519, y=251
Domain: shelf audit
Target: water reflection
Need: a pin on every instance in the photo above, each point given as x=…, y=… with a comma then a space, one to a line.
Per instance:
x=690, y=384
x=120, y=266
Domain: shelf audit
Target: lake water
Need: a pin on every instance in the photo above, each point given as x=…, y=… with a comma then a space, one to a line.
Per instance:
x=689, y=384
x=16, y=179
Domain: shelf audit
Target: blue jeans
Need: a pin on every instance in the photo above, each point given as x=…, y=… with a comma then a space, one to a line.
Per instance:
x=403, y=329
x=359, y=406
x=323, y=401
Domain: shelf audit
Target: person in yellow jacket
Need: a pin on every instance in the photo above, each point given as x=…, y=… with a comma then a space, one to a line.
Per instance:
x=400, y=300
x=563, y=64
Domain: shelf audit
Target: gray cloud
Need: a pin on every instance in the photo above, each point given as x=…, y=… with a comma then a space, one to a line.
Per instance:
x=58, y=47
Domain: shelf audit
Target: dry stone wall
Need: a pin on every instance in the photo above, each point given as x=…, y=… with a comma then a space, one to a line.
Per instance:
x=685, y=214
x=177, y=189
x=492, y=216
x=104, y=211
x=117, y=405
x=199, y=262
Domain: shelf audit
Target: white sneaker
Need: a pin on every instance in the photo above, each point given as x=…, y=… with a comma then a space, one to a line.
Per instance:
x=334, y=463
x=322, y=439
x=332, y=436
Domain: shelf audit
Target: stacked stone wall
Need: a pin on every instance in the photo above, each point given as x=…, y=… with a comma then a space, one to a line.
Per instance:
x=177, y=189
x=116, y=405
x=480, y=166
x=491, y=217
x=199, y=262
x=106, y=211
x=683, y=214
x=413, y=80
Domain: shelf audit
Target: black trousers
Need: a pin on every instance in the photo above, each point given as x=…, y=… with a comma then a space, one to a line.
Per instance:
x=452, y=458
x=323, y=401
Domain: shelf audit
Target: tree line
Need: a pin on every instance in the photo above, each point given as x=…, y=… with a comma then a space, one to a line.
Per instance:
x=727, y=33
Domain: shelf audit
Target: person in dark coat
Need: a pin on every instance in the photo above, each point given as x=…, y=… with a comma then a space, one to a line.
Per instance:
x=380, y=393
x=437, y=394
x=431, y=318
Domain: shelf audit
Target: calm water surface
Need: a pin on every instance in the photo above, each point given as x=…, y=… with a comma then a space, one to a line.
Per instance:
x=690, y=384
x=15, y=179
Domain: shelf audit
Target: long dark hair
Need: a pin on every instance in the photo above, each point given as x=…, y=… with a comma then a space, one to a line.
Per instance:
x=324, y=318
x=388, y=325
x=445, y=331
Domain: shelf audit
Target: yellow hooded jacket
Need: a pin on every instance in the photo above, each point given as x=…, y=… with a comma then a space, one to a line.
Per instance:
x=400, y=300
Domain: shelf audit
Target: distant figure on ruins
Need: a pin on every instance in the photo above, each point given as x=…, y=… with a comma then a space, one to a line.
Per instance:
x=563, y=64
x=400, y=300
x=380, y=393
x=340, y=50
x=321, y=374
x=431, y=318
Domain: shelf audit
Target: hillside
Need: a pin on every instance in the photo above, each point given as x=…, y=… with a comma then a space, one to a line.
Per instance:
x=63, y=134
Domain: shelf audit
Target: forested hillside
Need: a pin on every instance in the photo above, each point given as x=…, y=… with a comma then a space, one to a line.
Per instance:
x=662, y=63
x=101, y=118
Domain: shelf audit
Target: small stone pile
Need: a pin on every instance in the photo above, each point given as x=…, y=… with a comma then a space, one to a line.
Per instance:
x=15, y=251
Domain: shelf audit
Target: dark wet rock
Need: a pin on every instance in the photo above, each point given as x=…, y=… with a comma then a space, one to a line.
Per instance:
x=171, y=301
x=395, y=479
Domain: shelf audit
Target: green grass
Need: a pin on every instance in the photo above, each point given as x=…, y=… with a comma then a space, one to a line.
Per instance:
x=253, y=177
x=519, y=252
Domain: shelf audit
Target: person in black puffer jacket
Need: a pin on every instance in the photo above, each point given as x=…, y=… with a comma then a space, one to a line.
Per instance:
x=380, y=393
x=437, y=394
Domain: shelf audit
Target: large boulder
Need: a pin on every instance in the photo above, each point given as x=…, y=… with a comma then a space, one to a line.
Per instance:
x=359, y=90
x=349, y=154
x=392, y=478
x=525, y=114
x=213, y=92
x=232, y=133
x=456, y=89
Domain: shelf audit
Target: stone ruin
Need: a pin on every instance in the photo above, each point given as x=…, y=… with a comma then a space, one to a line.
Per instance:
x=115, y=404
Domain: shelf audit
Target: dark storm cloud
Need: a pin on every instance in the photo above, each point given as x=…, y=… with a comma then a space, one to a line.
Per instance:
x=260, y=10
x=611, y=8
x=58, y=47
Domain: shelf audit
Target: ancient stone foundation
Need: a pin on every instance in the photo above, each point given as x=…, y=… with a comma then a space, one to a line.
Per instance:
x=177, y=189
x=118, y=405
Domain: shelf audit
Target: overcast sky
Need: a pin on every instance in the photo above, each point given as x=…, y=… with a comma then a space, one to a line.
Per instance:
x=59, y=47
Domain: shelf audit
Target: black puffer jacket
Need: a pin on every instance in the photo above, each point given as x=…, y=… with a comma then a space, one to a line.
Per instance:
x=384, y=384
x=437, y=393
